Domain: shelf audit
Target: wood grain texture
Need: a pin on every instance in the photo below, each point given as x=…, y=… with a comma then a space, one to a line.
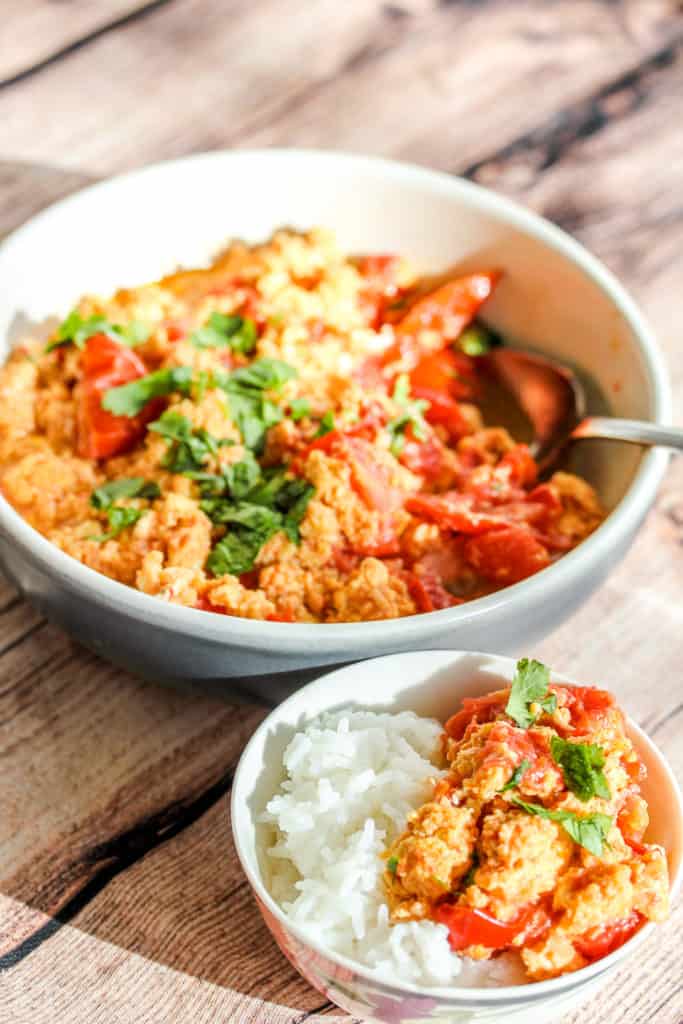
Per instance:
x=121, y=901
x=36, y=34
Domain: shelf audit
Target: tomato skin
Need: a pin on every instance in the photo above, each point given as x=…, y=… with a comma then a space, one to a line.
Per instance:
x=444, y=410
x=507, y=555
x=442, y=371
x=470, y=927
x=428, y=592
x=107, y=364
x=428, y=459
x=450, y=308
x=479, y=709
x=599, y=942
x=454, y=511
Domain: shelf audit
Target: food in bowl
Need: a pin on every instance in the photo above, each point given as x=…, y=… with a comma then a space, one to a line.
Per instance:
x=504, y=846
x=288, y=435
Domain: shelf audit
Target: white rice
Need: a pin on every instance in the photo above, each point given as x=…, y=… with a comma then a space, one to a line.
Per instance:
x=351, y=779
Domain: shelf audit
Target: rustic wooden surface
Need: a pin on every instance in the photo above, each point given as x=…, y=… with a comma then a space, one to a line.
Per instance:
x=121, y=901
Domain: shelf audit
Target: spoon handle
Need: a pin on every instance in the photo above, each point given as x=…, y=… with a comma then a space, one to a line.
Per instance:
x=632, y=431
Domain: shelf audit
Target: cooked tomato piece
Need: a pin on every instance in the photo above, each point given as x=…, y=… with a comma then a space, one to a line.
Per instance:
x=450, y=308
x=107, y=364
x=587, y=705
x=521, y=466
x=479, y=709
x=428, y=592
x=441, y=372
x=507, y=555
x=379, y=270
x=428, y=458
x=371, y=480
x=444, y=410
x=470, y=927
x=281, y=616
x=598, y=942
x=454, y=511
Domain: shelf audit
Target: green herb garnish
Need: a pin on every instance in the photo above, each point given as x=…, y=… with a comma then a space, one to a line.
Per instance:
x=392, y=864
x=582, y=765
x=529, y=686
x=477, y=340
x=589, y=831
x=129, y=399
x=299, y=408
x=188, y=448
x=326, y=425
x=516, y=776
x=411, y=415
x=77, y=329
x=226, y=330
x=104, y=496
x=126, y=487
x=252, y=411
x=468, y=877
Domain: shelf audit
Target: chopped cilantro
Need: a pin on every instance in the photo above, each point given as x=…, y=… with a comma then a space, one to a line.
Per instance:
x=104, y=496
x=129, y=399
x=411, y=415
x=468, y=877
x=392, y=864
x=589, y=831
x=581, y=765
x=251, y=410
x=78, y=329
x=516, y=776
x=188, y=449
x=477, y=340
x=299, y=408
x=126, y=487
x=326, y=425
x=529, y=686
x=255, y=507
x=224, y=330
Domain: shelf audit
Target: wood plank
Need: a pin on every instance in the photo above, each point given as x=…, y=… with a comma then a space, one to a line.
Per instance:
x=102, y=765
x=97, y=762
x=34, y=33
x=445, y=84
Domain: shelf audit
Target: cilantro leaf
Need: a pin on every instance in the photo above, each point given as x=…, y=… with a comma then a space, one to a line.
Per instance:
x=529, y=686
x=582, y=765
x=516, y=776
x=78, y=329
x=326, y=425
x=392, y=864
x=234, y=554
x=477, y=340
x=251, y=410
x=188, y=448
x=411, y=415
x=299, y=408
x=126, y=487
x=589, y=831
x=129, y=399
x=119, y=519
x=223, y=330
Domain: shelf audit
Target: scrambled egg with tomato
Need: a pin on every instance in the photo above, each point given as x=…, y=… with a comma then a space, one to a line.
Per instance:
x=533, y=840
x=288, y=434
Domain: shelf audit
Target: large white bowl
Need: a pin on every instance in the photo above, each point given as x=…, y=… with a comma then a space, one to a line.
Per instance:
x=431, y=683
x=554, y=296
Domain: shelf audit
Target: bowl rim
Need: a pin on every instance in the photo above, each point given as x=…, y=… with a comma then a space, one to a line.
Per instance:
x=289, y=637
x=447, y=993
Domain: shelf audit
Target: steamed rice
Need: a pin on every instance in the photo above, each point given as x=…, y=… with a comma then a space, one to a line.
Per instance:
x=352, y=778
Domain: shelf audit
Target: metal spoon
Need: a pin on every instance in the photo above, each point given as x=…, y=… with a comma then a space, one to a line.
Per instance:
x=553, y=399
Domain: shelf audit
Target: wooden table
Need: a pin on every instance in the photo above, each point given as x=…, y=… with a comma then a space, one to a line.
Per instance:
x=121, y=901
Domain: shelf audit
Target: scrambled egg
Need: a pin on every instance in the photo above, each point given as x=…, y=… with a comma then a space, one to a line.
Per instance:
x=377, y=533
x=500, y=854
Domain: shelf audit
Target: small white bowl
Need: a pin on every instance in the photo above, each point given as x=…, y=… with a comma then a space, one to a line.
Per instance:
x=431, y=683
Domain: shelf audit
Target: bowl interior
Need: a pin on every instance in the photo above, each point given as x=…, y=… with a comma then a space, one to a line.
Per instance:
x=185, y=211
x=432, y=684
